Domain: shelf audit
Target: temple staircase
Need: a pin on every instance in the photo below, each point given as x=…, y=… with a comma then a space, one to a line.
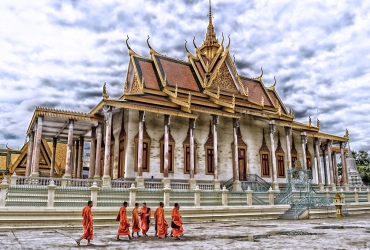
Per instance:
x=253, y=181
x=288, y=215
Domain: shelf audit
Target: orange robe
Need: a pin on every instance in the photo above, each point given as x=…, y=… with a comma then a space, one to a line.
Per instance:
x=87, y=222
x=124, y=225
x=145, y=218
x=176, y=218
x=135, y=221
x=162, y=226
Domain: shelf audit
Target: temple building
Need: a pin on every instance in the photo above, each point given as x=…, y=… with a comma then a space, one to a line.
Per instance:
x=192, y=121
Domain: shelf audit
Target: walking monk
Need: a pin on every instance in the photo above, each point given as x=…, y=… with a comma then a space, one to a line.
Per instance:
x=160, y=220
x=135, y=221
x=145, y=219
x=124, y=225
x=176, y=224
x=87, y=222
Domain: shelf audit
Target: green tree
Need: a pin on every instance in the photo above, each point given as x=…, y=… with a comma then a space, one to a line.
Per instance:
x=363, y=164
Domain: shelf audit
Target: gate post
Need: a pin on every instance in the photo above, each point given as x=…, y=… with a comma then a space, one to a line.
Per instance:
x=271, y=196
x=249, y=196
x=166, y=198
x=356, y=195
x=3, y=187
x=225, y=193
x=197, y=191
x=132, y=195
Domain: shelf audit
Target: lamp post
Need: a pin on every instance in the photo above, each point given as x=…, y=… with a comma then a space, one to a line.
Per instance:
x=338, y=202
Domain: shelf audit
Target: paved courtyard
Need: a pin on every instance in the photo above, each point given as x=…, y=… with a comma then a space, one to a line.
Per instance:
x=348, y=233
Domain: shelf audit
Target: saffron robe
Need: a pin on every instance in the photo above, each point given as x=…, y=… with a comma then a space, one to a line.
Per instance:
x=135, y=221
x=124, y=225
x=145, y=218
x=162, y=225
x=87, y=222
x=176, y=218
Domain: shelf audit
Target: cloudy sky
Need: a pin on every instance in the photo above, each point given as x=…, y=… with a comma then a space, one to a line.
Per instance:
x=58, y=54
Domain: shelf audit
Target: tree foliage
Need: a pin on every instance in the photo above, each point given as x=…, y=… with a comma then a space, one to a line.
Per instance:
x=363, y=164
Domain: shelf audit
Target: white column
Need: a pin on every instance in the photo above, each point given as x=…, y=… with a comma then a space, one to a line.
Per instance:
x=288, y=134
x=92, y=153
x=216, y=182
x=139, y=178
x=273, y=157
x=29, y=153
x=192, y=181
x=331, y=170
x=54, y=151
x=304, y=142
x=69, y=153
x=99, y=137
x=108, y=133
x=165, y=148
x=36, y=155
x=80, y=158
x=237, y=184
x=344, y=166
x=318, y=161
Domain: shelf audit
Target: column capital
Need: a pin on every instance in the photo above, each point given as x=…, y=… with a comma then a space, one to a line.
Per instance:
x=317, y=141
x=272, y=128
x=236, y=122
x=342, y=145
x=141, y=116
x=167, y=120
x=215, y=120
x=288, y=131
x=39, y=121
x=192, y=123
x=329, y=142
x=107, y=110
x=304, y=137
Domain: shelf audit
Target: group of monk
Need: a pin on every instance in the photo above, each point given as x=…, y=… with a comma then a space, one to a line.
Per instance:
x=140, y=221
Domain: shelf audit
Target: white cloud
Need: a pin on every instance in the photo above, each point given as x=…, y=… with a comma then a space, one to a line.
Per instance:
x=59, y=53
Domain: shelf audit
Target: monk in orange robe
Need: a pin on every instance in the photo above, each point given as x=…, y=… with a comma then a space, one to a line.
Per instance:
x=145, y=214
x=135, y=221
x=176, y=224
x=87, y=222
x=162, y=225
x=124, y=225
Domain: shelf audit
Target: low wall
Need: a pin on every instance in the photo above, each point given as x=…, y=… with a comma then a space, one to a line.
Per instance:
x=11, y=217
x=319, y=213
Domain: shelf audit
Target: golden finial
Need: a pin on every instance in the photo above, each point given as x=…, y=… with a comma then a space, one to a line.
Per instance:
x=105, y=95
x=147, y=42
x=274, y=82
x=262, y=101
x=223, y=38
x=186, y=48
x=347, y=134
x=291, y=113
x=194, y=43
x=228, y=45
x=234, y=58
x=318, y=123
x=128, y=46
x=309, y=121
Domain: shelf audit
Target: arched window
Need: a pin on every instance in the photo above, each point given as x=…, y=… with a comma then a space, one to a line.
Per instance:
x=171, y=149
x=146, y=150
x=208, y=148
x=280, y=156
x=186, y=144
x=265, y=158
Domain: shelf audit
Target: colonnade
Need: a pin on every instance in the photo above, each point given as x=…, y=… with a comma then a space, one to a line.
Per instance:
x=96, y=144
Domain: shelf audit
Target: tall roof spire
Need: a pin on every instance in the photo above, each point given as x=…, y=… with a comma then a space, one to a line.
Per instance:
x=210, y=14
x=211, y=34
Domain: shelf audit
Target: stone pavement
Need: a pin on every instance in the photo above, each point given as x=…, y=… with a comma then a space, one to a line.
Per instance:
x=351, y=232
